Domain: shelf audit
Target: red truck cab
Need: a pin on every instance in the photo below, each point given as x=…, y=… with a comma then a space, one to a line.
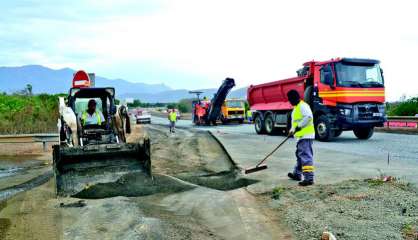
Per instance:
x=344, y=94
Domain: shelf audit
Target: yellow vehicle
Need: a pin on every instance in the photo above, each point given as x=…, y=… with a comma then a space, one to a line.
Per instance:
x=233, y=110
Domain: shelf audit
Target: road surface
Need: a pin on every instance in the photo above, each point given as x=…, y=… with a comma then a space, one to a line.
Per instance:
x=344, y=158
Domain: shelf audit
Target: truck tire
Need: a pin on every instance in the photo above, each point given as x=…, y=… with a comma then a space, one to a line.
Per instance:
x=323, y=130
x=224, y=120
x=337, y=133
x=288, y=124
x=308, y=94
x=259, y=125
x=363, y=133
x=269, y=124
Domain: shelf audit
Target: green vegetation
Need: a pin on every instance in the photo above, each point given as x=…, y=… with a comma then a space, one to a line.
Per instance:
x=407, y=107
x=184, y=105
x=137, y=103
x=410, y=231
x=23, y=112
x=277, y=192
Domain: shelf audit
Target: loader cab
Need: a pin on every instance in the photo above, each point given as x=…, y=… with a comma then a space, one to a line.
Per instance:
x=104, y=97
x=105, y=102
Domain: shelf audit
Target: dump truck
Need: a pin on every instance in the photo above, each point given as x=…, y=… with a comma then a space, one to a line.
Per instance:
x=98, y=153
x=205, y=112
x=233, y=110
x=344, y=94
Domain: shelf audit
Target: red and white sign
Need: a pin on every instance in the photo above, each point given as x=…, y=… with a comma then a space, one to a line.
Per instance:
x=81, y=79
x=401, y=124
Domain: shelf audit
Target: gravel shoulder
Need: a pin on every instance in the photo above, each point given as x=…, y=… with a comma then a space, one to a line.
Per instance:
x=353, y=209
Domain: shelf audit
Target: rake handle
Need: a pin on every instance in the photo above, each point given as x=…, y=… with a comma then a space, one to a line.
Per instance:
x=274, y=150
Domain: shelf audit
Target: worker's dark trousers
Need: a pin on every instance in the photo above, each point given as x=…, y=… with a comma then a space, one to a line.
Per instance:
x=304, y=162
x=172, y=126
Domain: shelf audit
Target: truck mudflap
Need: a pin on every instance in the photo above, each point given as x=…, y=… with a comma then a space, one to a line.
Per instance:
x=77, y=168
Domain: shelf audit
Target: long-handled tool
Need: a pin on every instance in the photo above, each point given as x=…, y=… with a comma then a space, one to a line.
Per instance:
x=260, y=166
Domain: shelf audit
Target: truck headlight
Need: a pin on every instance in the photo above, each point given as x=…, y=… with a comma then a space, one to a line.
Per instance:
x=381, y=108
x=345, y=112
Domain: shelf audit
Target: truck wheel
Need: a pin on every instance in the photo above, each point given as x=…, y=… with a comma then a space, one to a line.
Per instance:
x=337, y=133
x=269, y=124
x=307, y=97
x=288, y=123
x=259, y=125
x=323, y=130
x=363, y=133
x=224, y=120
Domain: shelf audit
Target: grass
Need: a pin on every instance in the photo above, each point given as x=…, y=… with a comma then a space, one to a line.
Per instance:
x=277, y=192
x=410, y=231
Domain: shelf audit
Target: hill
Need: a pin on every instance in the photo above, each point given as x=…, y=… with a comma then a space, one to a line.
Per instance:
x=51, y=81
x=54, y=81
x=176, y=95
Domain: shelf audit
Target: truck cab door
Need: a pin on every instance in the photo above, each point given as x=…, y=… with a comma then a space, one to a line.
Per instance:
x=326, y=85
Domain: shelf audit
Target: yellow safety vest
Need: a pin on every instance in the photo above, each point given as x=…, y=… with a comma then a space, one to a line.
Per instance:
x=84, y=118
x=249, y=113
x=297, y=117
x=173, y=116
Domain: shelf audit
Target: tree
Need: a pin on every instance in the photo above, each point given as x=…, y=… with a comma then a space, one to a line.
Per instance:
x=135, y=103
x=171, y=105
x=185, y=105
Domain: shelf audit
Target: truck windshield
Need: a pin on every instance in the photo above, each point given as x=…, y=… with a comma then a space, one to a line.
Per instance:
x=354, y=75
x=235, y=104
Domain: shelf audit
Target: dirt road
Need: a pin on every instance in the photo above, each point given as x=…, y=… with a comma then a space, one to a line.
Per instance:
x=196, y=194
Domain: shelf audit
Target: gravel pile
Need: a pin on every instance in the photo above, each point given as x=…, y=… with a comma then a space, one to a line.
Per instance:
x=355, y=209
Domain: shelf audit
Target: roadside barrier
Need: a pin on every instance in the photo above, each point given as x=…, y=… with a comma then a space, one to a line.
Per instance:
x=401, y=122
x=45, y=138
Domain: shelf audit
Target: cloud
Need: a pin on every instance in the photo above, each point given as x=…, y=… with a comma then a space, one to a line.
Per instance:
x=194, y=44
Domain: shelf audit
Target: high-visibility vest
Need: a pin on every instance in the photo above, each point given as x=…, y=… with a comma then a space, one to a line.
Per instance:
x=297, y=117
x=249, y=113
x=173, y=116
x=84, y=118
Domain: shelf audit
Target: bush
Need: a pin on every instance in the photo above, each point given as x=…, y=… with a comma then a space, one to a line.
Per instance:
x=28, y=114
x=185, y=105
x=405, y=108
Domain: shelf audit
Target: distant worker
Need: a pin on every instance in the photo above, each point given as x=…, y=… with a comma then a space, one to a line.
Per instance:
x=92, y=116
x=249, y=116
x=304, y=132
x=172, y=117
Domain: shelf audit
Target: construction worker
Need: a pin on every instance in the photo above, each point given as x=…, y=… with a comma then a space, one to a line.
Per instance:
x=303, y=130
x=249, y=116
x=91, y=116
x=172, y=117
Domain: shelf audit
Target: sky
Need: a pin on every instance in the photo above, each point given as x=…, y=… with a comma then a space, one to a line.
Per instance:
x=195, y=44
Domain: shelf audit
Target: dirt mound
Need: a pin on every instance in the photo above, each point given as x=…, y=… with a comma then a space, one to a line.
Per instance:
x=353, y=209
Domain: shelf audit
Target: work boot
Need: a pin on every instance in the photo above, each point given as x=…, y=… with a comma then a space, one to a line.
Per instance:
x=294, y=177
x=306, y=183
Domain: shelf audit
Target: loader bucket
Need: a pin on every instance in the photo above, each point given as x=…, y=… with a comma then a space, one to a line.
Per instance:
x=78, y=168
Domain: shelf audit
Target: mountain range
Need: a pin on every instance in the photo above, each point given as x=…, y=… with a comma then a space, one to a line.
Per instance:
x=47, y=80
